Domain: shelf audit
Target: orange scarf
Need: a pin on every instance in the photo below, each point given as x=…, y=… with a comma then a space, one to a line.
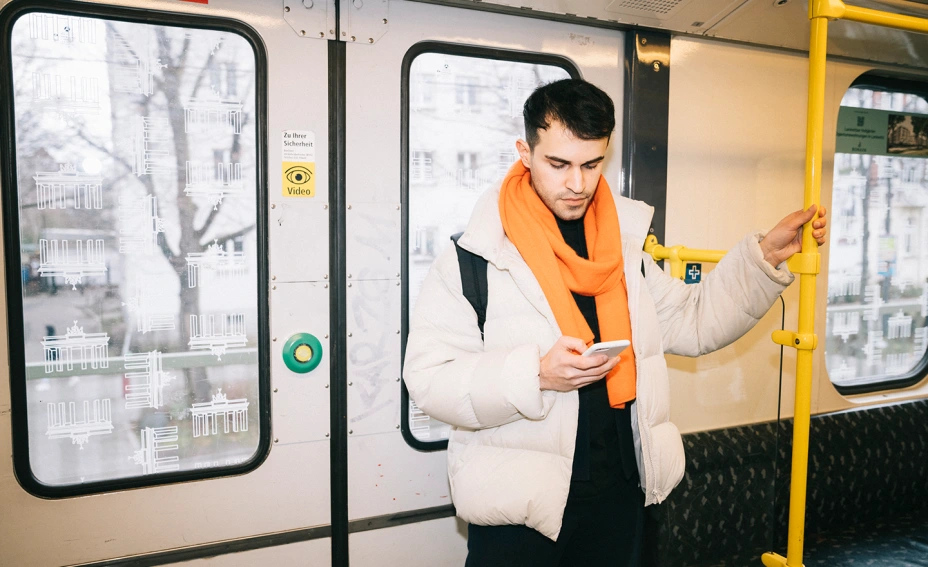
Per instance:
x=531, y=226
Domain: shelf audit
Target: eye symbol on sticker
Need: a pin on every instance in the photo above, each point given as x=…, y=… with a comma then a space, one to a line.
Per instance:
x=298, y=175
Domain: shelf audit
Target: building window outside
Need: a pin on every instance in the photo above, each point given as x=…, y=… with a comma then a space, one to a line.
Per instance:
x=467, y=171
x=465, y=91
x=420, y=166
x=467, y=161
x=877, y=304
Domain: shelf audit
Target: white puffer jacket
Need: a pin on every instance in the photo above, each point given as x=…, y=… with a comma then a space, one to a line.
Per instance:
x=511, y=450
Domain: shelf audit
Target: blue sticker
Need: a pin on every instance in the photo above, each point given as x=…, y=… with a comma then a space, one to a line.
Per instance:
x=693, y=273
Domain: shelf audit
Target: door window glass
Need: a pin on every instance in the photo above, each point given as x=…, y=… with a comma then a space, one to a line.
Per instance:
x=136, y=203
x=465, y=115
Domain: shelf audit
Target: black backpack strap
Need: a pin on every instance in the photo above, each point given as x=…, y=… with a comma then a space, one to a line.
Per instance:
x=473, y=280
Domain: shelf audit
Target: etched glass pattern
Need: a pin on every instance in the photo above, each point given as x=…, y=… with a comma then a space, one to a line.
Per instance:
x=135, y=159
x=465, y=115
x=878, y=257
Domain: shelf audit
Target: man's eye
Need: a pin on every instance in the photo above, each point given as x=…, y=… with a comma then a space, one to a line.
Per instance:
x=591, y=166
x=558, y=165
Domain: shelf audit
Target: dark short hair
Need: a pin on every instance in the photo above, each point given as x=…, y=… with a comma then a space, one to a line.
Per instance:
x=584, y=109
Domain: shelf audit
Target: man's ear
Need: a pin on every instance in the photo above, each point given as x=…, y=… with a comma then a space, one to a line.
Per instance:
x=525, y=153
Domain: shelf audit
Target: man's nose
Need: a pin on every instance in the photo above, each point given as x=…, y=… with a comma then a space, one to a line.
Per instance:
x=575, y=180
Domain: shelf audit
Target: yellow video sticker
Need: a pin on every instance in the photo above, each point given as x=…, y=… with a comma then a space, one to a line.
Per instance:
x=299, y=179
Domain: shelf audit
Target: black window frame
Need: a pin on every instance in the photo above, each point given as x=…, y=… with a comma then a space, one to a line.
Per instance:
x=889, y=83
x=9, y=15
x=462, y=50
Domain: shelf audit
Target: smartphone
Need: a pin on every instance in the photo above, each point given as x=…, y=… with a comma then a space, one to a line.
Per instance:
x=609, y=348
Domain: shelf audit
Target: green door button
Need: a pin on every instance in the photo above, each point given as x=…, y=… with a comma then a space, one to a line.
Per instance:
x=302, y=353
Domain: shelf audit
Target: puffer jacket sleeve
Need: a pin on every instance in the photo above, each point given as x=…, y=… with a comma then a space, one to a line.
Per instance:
x=447, y=371
x=699, y=318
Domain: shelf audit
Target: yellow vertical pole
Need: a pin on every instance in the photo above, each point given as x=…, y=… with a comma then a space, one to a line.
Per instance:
x=807, y=264
x=813, y=192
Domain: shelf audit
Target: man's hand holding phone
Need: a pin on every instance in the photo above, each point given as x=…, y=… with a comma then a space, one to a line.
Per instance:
x=564, y=370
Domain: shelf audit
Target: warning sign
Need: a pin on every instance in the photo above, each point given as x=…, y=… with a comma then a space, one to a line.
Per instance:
x=299, y=164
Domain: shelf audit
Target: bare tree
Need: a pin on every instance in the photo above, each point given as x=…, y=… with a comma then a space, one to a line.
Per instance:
x=183, y=76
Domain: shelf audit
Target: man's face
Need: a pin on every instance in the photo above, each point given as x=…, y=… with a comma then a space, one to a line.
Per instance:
x=565, y=169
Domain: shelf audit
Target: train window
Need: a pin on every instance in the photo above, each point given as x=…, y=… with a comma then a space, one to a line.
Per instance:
x=876, y=325
x=463, y=114
x=135, y=250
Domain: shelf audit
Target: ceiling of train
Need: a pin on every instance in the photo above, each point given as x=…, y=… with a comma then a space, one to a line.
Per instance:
x=778, y=23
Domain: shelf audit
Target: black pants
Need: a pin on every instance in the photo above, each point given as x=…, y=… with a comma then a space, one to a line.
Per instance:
x=605, y=531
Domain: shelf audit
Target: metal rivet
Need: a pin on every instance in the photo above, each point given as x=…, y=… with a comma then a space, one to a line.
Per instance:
x=344, y=34
x=302, y=32
x=797, y=341
x=325, y=277
x=397, y=207
x=349, y=207
x=397, y=379
x=286, y=8
x=321, y=34
x=325, y=286
x=351, y=383
x=325, y=336
x=273, y=287
x=397, y=274
x=324, y=207
x=350, y=431
x=353, y=38
x=644, y=41
x=326, y=434
x=349, y=276
x=274, y=339
x=370, y=40
x=397, y=332
x=327, y=386
x=308, y=4
x=397, y=284
x=275, y=440
x=273, y=206
x=349, y=334
x=397, y=426
x=384, y=20
x=273, y=277
x=349, y=284
x=653, y=148
x=656, y=65
x=275, y=390
x=331, y=32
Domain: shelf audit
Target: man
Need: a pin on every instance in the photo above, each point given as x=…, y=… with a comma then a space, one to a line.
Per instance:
x=553, y=455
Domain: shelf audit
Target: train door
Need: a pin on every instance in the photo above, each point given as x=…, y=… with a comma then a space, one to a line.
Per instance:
x=143, y=177
x=433, y=99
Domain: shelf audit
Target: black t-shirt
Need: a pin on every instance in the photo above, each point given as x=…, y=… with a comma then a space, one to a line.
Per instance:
x=605, y=445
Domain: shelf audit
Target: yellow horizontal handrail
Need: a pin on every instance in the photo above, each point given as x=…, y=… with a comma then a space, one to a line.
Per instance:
x=680, y=255
x=838, y=10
